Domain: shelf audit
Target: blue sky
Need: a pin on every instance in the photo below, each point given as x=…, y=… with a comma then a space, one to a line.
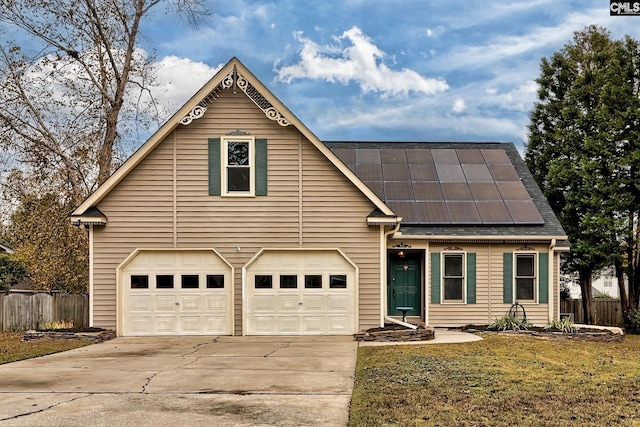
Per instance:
x=454, y=70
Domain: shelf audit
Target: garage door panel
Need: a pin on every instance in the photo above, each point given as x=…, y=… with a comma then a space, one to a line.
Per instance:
x=339, y=302
x=165, y=325
x=313, y=303
x=287, y=303
x=288, y=324
x=140, y=304
x=304, y=305
x=165, y=303
x=152, y=306
x=266, y=303
x=215, y=302
x=140, y=325
x=190, y=303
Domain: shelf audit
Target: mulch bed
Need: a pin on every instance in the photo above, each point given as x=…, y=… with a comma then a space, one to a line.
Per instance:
x=395, y=333
x=584, y=334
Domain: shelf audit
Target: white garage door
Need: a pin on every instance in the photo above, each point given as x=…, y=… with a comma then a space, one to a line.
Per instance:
x=177, y=292
x=300, y=292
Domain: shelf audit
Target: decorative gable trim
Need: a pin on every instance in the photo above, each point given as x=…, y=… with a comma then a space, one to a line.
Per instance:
x=235, y=79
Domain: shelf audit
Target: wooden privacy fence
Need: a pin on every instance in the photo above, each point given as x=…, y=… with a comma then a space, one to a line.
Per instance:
x=607, y=311
x=21, y=312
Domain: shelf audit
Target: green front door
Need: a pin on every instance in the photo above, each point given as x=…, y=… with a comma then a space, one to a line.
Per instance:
x=403, y=284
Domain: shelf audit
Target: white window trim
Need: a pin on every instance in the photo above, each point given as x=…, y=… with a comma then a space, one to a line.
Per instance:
x=536, y=279
x=224, y=141
x=464, y=278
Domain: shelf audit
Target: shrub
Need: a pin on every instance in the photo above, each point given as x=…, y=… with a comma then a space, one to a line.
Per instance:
x=509, y=322
x=632, y=320
x=11, y=271
x=564, y=325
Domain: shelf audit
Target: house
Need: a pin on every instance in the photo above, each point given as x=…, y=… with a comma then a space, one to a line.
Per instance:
x=604, y=284
x=234, y=218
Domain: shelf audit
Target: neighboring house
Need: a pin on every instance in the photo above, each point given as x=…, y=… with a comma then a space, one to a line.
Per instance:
x=604, y=284
x=234, y=218
x=5, y=249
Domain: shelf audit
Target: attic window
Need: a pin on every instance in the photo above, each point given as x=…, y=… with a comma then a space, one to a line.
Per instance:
x=238, y=166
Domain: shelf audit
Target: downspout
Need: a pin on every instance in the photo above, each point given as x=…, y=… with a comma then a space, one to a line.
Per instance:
x=383, y=276
x=552, y=266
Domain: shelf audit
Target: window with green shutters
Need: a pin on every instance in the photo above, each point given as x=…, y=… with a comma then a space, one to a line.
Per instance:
x=237, y=166
x=525, y=277
x=453, y=277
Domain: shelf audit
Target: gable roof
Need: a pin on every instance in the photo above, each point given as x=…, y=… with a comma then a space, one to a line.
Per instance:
x=453, y=189
x=233, y=74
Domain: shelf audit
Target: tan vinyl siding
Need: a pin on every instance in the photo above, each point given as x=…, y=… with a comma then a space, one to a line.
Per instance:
x=489, y=289
x=140, y=210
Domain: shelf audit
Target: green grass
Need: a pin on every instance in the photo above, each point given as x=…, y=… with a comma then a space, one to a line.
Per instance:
x=504, y=380
x=12, y=348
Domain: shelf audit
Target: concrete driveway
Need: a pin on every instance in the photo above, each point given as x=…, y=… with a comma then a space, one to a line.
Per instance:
x=184, y=381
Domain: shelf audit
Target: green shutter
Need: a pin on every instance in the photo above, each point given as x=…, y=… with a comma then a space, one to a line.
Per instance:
x=507, y=278
x=214, y=166
x=471, y=278
x=543, y=278
x=261, y=167
x=435, y=278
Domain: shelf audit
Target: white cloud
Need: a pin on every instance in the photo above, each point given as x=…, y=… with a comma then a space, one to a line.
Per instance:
x=179, y=79
x=361, y=62
x=459, y=105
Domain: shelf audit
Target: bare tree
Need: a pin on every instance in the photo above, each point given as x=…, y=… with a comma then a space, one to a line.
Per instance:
x=65, y=109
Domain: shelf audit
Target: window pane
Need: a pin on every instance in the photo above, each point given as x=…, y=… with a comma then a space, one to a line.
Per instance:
x=313, y=281
x=453, y=265
x=338, y=281
x=524, y=265
x=164, y=281
x=238, y=153
x=453, y=289
x=215, y=281
x=140, y=282
x=524, y=289
x=263, y=281
x=288, y=282
x=238, y=179
x=190, y=281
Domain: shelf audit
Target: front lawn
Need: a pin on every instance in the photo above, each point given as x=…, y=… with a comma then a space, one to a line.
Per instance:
x=12, y=348
x=504, y=380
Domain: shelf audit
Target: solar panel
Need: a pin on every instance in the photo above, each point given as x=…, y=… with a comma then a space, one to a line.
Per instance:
x=426, y=172
x=493, y=213
x=398, y=190
x=456, y=191
x=463, y=213
x=470, y=156
x=395, y=172
x=367, y=156
x=484, y=191
x=433, y=212
x=404, y=209
x=444, y=185
x=419, y=156
x=524, y=212
x=513, y=191
x=504, y=173
x=445, y=156
x=427, y=190
x=450, y=173
x=393, y=156
x=476, y=172
x=495, y=156
x=369, y=172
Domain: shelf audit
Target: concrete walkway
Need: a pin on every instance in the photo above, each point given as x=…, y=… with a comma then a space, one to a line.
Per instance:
x=197, y=381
